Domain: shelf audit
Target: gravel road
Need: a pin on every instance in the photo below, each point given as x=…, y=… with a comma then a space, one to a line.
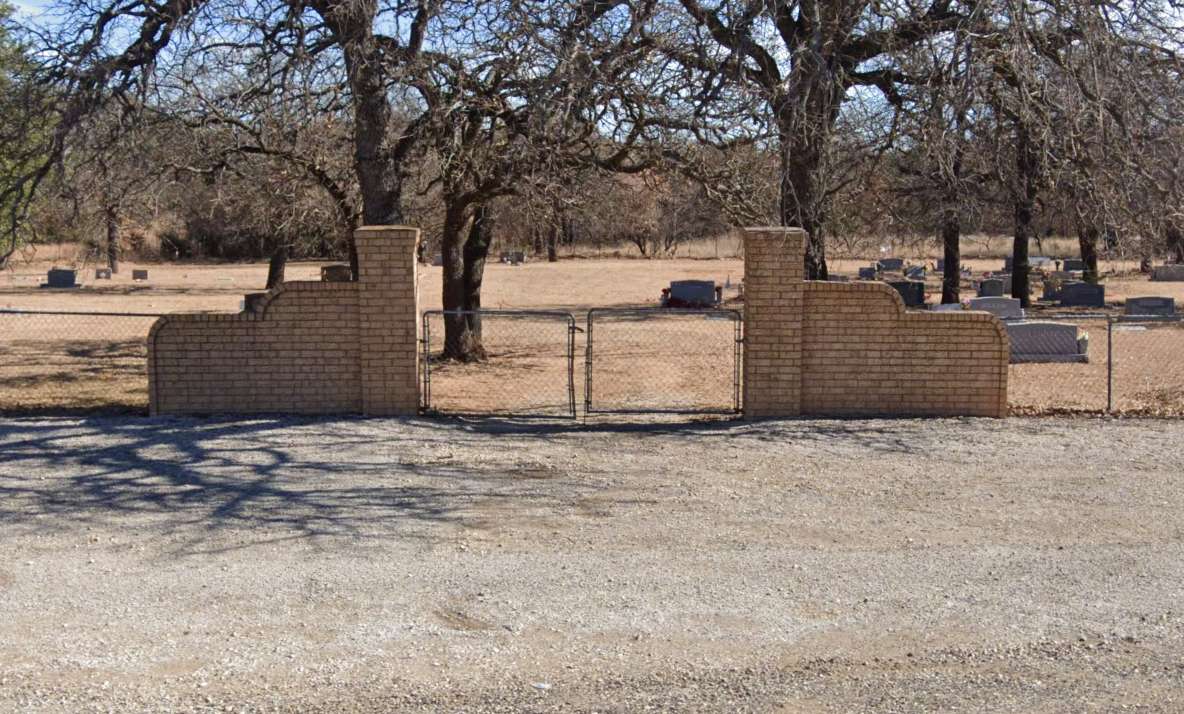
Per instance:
x=799, y=566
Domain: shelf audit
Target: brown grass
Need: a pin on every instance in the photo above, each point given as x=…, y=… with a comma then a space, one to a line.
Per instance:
x=91, y=362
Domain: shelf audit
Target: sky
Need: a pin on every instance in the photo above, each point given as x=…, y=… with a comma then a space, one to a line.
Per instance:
x=28, y=7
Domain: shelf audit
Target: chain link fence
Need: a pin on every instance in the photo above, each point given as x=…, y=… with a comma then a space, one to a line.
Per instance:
x=73, y=361
x=499, y=362
x=1130, y=365
x=663, y=360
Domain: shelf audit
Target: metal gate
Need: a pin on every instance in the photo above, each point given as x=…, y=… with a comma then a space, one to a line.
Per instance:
x=659, y=360
x=522, y=365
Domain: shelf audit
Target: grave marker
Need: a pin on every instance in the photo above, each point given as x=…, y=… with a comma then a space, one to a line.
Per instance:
x=1149, y=305
x=139, y=274
x=1169, y=273
x=1082, y=295
x=102, y=273
x=1004, y=308
x=61, y=278
x=912, y=291
x=1046, y=342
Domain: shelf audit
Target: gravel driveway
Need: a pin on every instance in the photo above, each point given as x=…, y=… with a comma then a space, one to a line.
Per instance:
x=377, y=565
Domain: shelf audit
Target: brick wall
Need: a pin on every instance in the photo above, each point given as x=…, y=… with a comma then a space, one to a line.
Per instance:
x=317, y=348
x=851, y=348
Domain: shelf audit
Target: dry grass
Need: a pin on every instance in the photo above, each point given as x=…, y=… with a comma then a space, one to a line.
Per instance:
x=57, y=363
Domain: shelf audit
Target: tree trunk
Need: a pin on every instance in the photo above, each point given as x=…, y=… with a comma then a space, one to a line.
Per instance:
x=1027, y=170
x=537, y=237
x=1087, y=242
x=276, y=266
x=459, y=341
x=553, y=244
x=951, y=236
x=1174, y=238
x=475, y=252
x=805, y=118
x=112, y=220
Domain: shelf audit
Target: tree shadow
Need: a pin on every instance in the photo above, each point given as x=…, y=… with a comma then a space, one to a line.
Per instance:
x=194, y=481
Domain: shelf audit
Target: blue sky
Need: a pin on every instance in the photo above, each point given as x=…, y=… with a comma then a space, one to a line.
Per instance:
x=28, y=7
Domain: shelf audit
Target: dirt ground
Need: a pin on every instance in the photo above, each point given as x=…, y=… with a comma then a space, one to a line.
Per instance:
x=52, y=362
x=1020, y=565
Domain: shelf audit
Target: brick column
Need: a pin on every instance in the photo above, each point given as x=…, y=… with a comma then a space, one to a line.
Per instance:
x=388, y=320
x=773, y=303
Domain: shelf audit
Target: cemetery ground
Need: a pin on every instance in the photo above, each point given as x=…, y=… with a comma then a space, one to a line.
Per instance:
x=98, y=363
x=350, y=565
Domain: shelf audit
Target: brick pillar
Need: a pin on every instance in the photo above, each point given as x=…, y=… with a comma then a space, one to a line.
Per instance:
x=388, y=320
x=773, y=303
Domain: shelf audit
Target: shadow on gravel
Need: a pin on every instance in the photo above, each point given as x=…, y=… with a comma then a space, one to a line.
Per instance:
x=283, y=477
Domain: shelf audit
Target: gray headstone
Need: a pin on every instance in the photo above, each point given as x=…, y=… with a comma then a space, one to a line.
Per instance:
x=1169, y=273
x=252, y=302
x=513, y=257
x=438, y=260
x=1082, y=295
x=990, y=287
x=1007, y=264
x=1158, y=306
x=947, y=307
x=139, y=274
x=61, y=278
x=1052, y=290
x=102, y=273
x=915, y=272
x=692, y=293
x=1071, y=264
x=892, y=264
x=1042, y=261
x=867, y=273
x=1046, y=342
x=941, y=265
x=912, y=291
x=336, y=273
x=1004, y=308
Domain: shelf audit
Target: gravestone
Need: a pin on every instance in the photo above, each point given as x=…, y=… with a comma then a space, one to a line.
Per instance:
x=1042, y=262
x=1052, y=290
x=691, y=293
x=941, y=265
x=1168, y=273
x=438, y=260
x=336, y=273
x=252, y=302
x=1004, y=308
x=991, y=287
x=947, y=307
x=1007, y=264
x=139, y=274
x=891, y=264
x=1082, y=295
x=102, y=273
x=913, y=291
x=1064, y=276
x=867, y=273
x=1157, y=306
x=915, y=272
x=513, y=257
x=1073, y=264
x=61, y=278
x=1046, y=342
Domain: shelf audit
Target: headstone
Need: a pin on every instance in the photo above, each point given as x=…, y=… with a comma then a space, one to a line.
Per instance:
x=1004, y=308
x=336, y=273
x=941, y=265
x=102, y=273
x=1073, y=264
x=139, y=274
x=252, y=302
x=990, y=287
x=1052, y=290
x=513, y=257
x=867, y=273
x=913, y=291
x=692, y=293
x=1042, y=262
x=1046, y=342
x=947, y=307
x=438, y=260
x=1008, y=263
x=1064, y=276
x=1168, y=273
x=1157, y=306
x=61, y=278
x=1082, y=295
x=915, y=272
x=892, y=264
